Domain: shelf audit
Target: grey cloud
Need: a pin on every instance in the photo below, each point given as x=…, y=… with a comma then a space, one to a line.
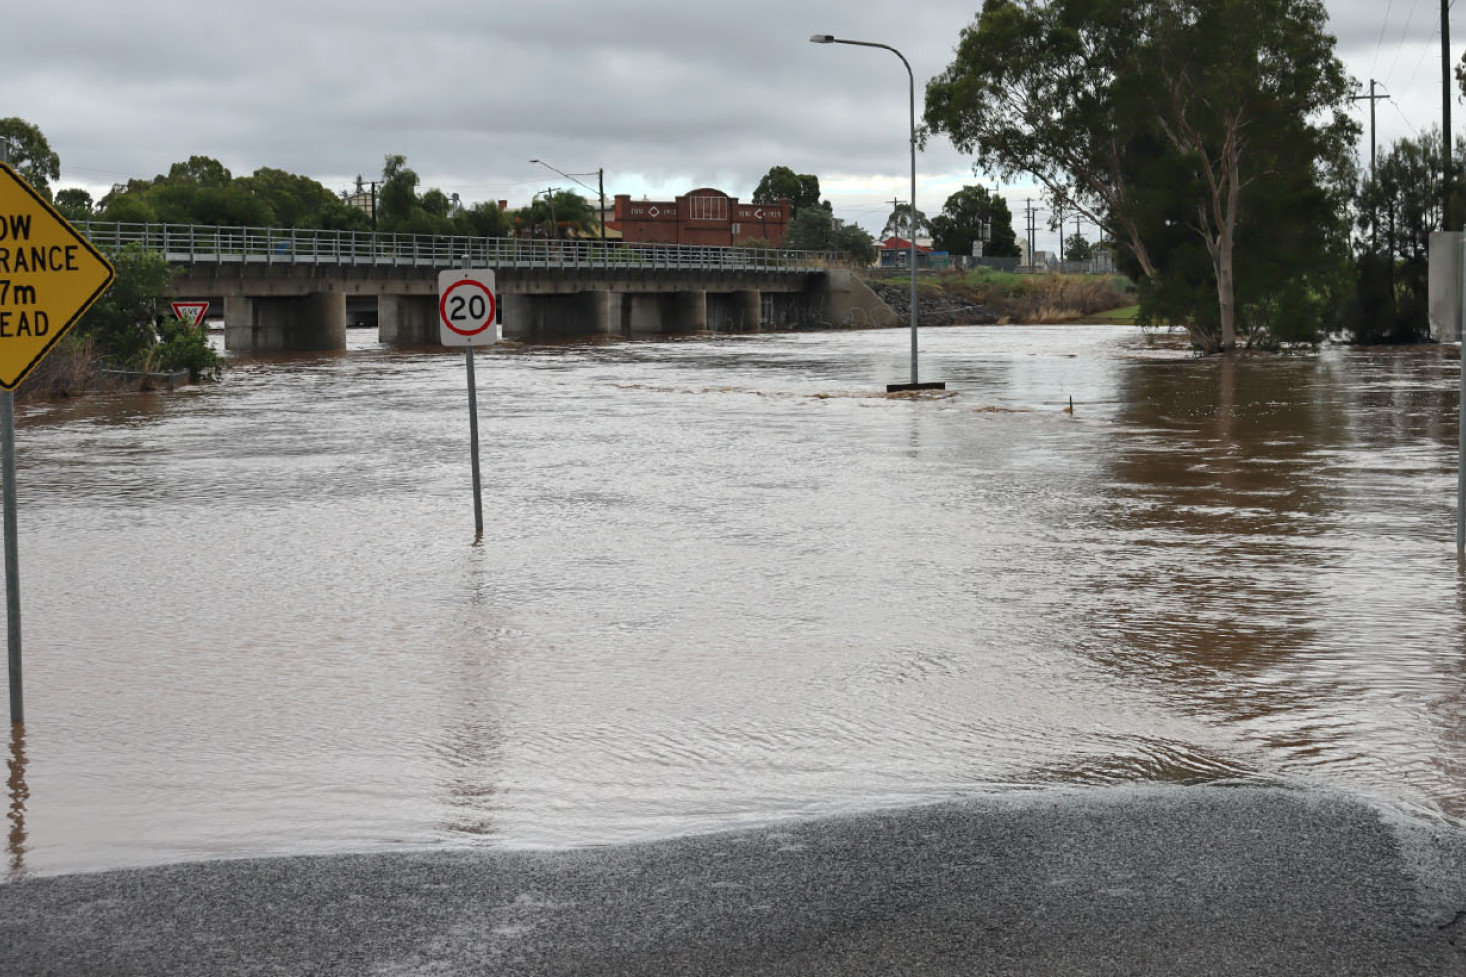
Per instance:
x=655, y=91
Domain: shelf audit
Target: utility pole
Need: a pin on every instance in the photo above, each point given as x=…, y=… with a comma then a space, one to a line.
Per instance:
x=1032, y=229
x=896, y=225
x=549, y=194
x=1372, y=98
x=601, y=184
x=1059, y=217
x=1446, y=136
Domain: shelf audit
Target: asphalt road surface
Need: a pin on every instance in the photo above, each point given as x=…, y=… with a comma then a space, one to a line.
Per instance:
x=1137, y=881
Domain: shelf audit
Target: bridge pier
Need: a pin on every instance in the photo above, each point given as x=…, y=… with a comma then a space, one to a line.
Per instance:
x=539, y=318
x=260, y=324
x=749, y=305
x=407, y=320
x=689, y=313
x=735, y=311
x=646, y=313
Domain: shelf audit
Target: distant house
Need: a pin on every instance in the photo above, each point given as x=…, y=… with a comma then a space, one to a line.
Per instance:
x=702, y=216
x=895, y=252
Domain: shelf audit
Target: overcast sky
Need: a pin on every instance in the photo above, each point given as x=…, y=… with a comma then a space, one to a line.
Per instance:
x=665, y=95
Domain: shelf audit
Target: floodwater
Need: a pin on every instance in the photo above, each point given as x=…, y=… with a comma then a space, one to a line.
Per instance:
x=723, y=582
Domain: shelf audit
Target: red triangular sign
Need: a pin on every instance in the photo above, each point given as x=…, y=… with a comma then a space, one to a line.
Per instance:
x=190, y=312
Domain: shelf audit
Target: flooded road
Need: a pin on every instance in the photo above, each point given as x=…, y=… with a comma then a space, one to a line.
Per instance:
x=724, y=582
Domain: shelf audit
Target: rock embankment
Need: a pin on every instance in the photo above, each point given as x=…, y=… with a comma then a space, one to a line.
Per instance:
x=934, y=308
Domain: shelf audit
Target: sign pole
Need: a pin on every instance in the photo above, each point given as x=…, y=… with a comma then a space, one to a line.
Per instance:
x=478, y=499
x=1461, y=409
x=12, y=554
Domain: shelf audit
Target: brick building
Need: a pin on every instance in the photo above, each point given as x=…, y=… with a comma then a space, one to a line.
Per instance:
x=702, y=216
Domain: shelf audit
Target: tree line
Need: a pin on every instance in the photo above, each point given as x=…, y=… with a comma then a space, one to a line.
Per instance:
x=1223, y=175
x=202, y=190
x=967, y=215
x=1210, y=140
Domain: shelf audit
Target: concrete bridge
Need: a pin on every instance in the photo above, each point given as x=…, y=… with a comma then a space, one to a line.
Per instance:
x=288, y=289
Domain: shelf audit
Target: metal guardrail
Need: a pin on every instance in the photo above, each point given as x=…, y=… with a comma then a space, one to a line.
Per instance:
x=272, y=245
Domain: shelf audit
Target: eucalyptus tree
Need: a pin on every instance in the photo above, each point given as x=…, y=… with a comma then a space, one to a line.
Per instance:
x=30, y=154
x=964, y=217
x=904, y=222
x=1137, y=115
x=1398, y=208
x=802, y=190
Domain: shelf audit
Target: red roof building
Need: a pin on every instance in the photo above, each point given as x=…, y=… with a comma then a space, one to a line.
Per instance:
x=901, y=244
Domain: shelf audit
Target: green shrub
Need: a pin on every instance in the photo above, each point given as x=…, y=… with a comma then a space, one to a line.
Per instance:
x=182, y=345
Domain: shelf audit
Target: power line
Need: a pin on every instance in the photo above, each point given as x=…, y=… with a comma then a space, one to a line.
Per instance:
x=1413, y=127
x=1424, y=50
x=1380, y=43
x=1403, y=34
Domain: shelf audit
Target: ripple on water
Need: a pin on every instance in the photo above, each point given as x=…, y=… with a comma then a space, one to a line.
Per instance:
x=726, y=581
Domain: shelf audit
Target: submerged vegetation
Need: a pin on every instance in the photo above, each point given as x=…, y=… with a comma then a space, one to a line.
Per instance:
x=131, y=328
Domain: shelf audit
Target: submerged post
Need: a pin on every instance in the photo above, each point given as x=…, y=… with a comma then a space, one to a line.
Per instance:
x=12, y=555
x=478, y=494
x=915, y=383
x=1461, y=406
x=12, y=548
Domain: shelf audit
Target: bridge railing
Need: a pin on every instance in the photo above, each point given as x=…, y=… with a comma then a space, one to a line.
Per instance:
x=273, y=245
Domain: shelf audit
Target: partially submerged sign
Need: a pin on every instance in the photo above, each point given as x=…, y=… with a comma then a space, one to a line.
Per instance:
x=49, y=276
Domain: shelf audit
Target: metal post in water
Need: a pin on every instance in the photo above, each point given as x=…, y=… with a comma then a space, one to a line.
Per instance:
x=1461, y=408
x=12, y=554
x=478, y=498
x=911, y=102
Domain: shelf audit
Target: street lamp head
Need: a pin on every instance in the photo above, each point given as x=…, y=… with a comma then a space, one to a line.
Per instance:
x=536, y=161
x=822, y=39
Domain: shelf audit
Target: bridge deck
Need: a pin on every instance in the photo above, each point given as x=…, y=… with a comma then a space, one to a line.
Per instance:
x=195, y=244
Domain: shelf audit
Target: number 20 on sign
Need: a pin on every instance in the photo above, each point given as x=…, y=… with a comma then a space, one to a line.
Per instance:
x=467, y=310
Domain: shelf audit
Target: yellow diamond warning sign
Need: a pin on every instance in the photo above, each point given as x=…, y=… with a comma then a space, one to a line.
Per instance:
x=49, y=276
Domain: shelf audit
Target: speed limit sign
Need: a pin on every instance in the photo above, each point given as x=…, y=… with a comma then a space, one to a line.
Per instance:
x=467, y=309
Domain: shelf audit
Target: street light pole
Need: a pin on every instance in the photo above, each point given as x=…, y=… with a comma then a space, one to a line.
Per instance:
x=549, y=194
x=915, y=383
x=600, y=175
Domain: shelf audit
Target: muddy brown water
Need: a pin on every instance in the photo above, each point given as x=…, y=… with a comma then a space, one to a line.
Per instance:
x=724, y=582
